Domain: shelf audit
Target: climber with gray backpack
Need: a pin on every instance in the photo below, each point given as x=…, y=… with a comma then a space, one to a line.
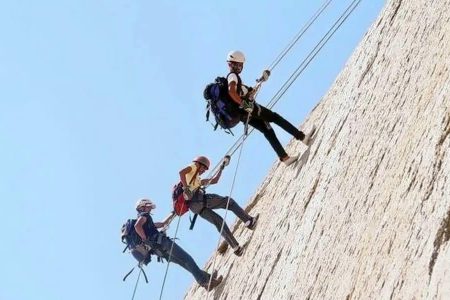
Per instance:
x=203, y=204
x=143, y=239
x=231, y=101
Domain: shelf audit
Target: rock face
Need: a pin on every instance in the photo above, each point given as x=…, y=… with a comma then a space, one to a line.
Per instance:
x=366, y=214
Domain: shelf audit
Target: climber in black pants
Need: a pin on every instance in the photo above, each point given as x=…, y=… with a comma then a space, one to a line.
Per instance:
x=260, y=116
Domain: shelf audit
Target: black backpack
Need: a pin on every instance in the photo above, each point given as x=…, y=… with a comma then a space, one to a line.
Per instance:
x=226, y=112
x=129, y=235
x=134, y=242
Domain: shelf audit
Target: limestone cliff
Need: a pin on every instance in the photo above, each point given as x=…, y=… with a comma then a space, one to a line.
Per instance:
x=366, y=215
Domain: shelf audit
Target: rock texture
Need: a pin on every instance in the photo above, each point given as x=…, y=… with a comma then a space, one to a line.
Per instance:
x=366, y=215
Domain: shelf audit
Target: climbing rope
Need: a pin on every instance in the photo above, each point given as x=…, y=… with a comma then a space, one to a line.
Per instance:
x=226, y=210
x=314, y=52
x=299, y=34
x=240, y=141
x=136, y=285
x=170, y=256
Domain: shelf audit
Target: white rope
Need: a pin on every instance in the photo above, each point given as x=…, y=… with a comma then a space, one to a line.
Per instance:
x=314, y=52
x=170, y=256
x=299, y=35
x=136, y=285
x=226, y=211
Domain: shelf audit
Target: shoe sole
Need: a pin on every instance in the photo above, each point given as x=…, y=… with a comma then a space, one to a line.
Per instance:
x=255, y=223
x=310, y=135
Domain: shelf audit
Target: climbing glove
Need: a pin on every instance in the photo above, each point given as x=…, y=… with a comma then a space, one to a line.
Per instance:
x=247, y=105
x=265, y=75
x=225, y=162
x=187, y=193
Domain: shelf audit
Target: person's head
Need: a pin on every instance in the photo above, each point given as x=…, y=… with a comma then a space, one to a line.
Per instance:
x=202, y=163
x=145, y=205
x=236, y=60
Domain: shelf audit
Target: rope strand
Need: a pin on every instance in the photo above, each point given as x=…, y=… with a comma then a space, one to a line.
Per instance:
x=170, y=256
x=299, y=35
x=226, y=210
x=136, y=285
x=313, y=53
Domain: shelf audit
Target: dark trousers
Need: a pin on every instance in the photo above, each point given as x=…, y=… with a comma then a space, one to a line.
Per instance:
x=214, y=201
x=260, y=119
x=182, y=258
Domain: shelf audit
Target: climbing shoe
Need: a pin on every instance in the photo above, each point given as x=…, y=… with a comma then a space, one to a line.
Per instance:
x=215, y=281
x=223, y=247
x=289, y=160
x=307, y=139
x=252, y=223
x=239, y=251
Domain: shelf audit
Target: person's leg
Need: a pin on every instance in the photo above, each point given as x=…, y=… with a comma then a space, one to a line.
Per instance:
x=270, y=116
x=215, y=201
x=196, y=206
x=183, y=259
x=269, y=133
x=217, y=221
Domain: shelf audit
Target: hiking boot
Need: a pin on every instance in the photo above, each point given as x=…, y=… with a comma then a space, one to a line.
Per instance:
x=239, y=251
x=307, y=139
x=215, y=281
x=223, y=247
x=289, y=160
x=252, y=223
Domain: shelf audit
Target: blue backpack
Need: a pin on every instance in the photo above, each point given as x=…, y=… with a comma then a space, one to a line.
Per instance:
x=226, y=112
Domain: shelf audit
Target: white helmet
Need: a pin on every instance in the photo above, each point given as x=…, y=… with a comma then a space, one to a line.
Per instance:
x=236, y=56
x=145, y=202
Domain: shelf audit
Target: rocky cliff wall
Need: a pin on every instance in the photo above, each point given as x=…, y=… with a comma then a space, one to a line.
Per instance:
x=366, y=214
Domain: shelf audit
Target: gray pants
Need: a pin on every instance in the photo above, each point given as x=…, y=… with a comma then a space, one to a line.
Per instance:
x=214, y=201
x=182, y=258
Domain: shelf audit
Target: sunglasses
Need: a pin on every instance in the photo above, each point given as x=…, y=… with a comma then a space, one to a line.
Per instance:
x=203, y=166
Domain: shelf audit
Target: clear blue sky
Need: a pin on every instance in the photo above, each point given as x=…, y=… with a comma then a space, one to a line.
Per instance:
x=101, y=103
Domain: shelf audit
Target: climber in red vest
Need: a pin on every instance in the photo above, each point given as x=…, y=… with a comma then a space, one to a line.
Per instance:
x=257, y=115
x=203, y=203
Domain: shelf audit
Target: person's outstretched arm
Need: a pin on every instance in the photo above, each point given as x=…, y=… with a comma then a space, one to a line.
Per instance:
x=166, y=221
x=213, y=180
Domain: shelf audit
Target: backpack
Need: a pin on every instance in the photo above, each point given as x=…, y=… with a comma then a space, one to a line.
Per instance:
x=134, y=242
x=180, y=206
x=226, y=112
x=129, y=235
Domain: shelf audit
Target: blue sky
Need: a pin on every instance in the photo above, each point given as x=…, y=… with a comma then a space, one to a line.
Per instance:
x=101, y=103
